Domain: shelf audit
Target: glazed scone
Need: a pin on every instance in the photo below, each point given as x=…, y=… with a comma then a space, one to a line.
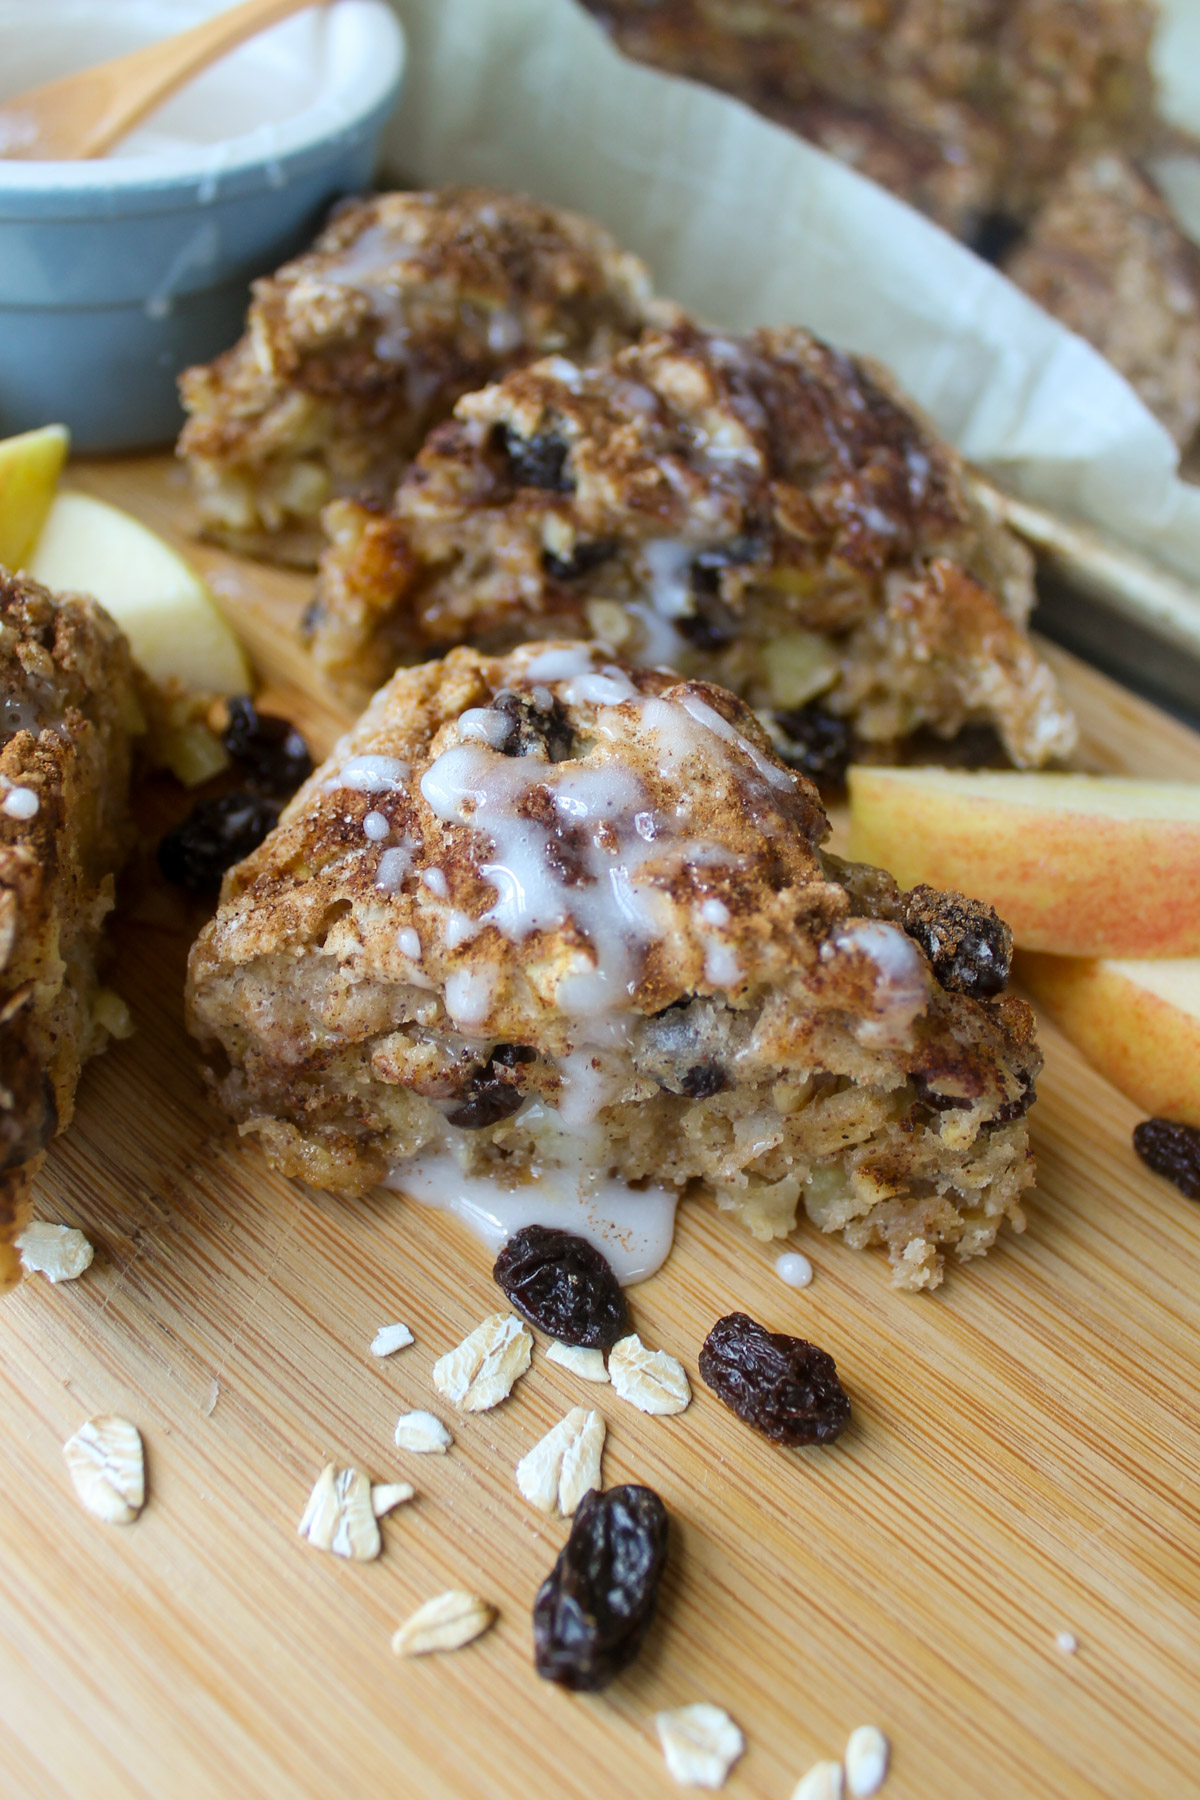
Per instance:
x=546, y=916
x=69, y=711
x=1106, y=257
x=762, y=511
x=354, y=350
x=963, y=107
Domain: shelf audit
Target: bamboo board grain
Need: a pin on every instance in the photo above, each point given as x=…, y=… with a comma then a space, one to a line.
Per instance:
x=1024, y=1460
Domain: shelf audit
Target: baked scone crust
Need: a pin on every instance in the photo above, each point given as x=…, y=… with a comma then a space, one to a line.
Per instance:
x=598, y=888
x=763, y=511
x=1107, y=258
x=356, y=348
x=69, y=711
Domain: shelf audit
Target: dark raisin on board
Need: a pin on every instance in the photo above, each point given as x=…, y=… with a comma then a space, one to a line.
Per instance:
x=784, y=1387
x=819, y=744
x=530, y=728
x=564, y=1286
x=495, y=1092
x=1171, y=1150
x=215, y=835
x=966, y=941
x=269, y=751
x=592, y=1612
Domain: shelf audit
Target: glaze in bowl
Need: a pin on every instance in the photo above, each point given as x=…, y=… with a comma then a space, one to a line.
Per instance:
x=118, y=273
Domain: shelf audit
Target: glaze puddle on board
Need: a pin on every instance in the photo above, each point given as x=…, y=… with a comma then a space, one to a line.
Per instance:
x=633, y=1227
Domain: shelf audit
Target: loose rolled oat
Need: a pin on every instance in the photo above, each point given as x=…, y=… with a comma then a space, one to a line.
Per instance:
x=649, y=1379
x=587, y=1364
x=340, y=1517
x=823, y=1782
x=58, y=1252
x=445, y=1623
x=565, y=1464
x=700, y=1744
x=390, y=1338
x=386, y=1495
x=483, y=1369
x=867, y=1754
x=108, y=1467
x=423, y=1433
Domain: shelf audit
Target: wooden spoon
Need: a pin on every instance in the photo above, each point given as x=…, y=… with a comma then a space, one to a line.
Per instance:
x=86, y=114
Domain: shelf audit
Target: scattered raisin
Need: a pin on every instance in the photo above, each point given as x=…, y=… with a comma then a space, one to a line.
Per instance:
x=585, y=556
x=532, y=728
x=966, y=941
x=270, y=752
x=215, y=835
x=1016, y=1109
x=784, y=1387
x=704, y=1080
x=818, y=744
x=592, y=1613
x=494, y=1093
x=1172, y=1150
x=563, y=1285
x=539, y=461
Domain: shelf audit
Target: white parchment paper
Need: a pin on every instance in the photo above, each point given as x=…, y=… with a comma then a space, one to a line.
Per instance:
x=745, y=224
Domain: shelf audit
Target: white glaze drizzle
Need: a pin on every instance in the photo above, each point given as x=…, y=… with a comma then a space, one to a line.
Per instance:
x=370, y=775
x=633, y=1228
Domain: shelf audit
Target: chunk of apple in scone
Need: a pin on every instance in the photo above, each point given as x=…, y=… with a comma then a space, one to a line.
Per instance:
x=547, y=919
x=70, y=709
x=764, y=512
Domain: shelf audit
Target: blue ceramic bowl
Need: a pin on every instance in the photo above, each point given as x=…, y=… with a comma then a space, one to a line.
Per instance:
x=116, y=274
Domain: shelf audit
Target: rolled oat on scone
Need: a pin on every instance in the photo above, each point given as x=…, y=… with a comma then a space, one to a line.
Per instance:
x=547, y=916
x=69, y=709
x=356, y=348
x=765, y=512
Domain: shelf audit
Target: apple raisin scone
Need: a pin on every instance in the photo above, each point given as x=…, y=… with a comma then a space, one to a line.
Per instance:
x=549, y=915
x=764, y=512
x=356, y=348
x=68, y=709
x=1107, y=258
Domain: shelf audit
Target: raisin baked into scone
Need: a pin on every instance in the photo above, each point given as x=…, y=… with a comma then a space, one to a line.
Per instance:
x=547, y=913
x=762, y=511
x=69, y=709
x=354, y=350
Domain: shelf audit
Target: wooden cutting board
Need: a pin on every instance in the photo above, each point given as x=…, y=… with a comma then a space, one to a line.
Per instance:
x=1023, y=1462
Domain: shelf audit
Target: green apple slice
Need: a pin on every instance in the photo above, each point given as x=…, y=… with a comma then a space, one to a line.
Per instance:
x=29, y=469
x=172, y=622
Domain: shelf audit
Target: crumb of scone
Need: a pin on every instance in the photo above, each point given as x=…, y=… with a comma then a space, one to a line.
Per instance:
x=355, y=349
x=765, y=512
x=1107, y=258
x=603, y=936
x=68, y=712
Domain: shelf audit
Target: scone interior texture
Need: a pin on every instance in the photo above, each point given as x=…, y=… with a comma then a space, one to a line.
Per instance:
x=548, y=913
x=69, y=711
x=355, y=349
x=762, y=511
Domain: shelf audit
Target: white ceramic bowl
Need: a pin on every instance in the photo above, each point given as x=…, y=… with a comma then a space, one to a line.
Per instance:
x=116, y=274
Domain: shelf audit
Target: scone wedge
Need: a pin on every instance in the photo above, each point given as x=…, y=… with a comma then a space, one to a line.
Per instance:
x=70, y=710
x=764, y=512
x=356, y=348
x=545, y=917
